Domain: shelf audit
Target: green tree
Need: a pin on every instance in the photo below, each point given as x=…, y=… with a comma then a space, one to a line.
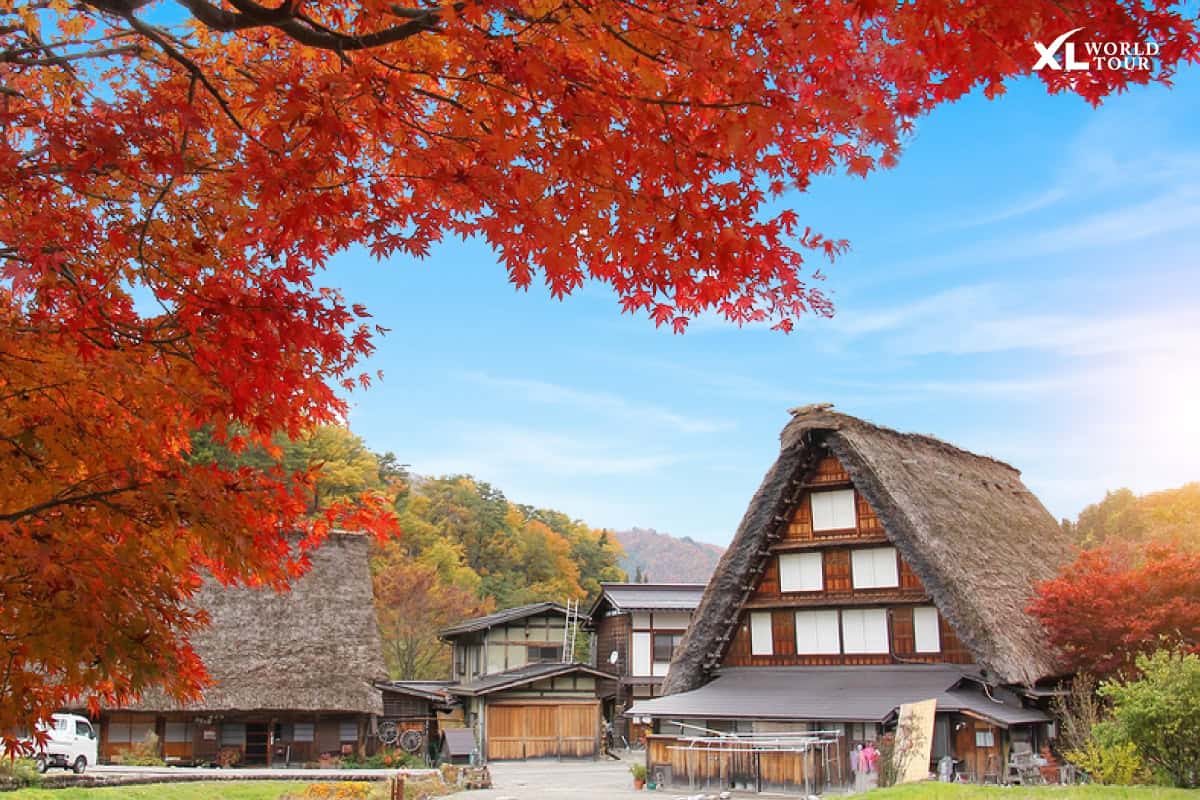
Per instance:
x=330, y=461
x=1159, y=712
x=1122, y=516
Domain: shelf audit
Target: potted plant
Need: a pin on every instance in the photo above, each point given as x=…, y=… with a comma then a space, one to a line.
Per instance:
x=639, y=775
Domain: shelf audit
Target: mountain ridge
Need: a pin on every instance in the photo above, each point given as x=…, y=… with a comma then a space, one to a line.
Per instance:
x=662, y=558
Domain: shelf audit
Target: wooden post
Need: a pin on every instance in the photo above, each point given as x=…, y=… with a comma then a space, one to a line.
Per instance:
x=397, y=787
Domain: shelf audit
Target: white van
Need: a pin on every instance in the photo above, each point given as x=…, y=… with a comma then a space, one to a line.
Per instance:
x=70, y=744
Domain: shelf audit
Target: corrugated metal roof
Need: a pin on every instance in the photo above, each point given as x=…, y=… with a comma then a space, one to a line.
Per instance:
x=501, y=617
x=851, y=694
x=653, y=596
x=520, y=676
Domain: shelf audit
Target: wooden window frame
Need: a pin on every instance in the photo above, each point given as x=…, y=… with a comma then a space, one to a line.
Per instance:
x=801, y=557
x=874, y=551
x=812, y=505
x=917, y=626
x=837, y=629
x=770, y=642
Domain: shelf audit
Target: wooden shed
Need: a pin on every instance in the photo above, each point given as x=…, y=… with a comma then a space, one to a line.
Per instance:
x=538, y=711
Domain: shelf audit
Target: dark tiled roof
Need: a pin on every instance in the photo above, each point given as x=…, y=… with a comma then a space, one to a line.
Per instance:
x=977, y=703
x=848, y=694
x=500, y=617
x=520, y=676
x=651, y=596
x=429, y=690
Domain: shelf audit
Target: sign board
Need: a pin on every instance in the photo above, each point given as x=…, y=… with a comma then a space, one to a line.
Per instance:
x=914, y=740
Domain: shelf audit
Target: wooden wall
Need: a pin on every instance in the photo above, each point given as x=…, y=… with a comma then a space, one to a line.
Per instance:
x=900, y=634
x=541, y=729
x=612, y=633
x=702, y=766
x=838, y=591
x=401, y=706
x=203, y=737
x=839, y=587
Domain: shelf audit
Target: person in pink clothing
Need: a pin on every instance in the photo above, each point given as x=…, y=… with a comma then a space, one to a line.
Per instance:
x=868, y=761
x=868, y=758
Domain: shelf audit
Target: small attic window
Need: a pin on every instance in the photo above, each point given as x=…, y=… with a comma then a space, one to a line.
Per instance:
x=833, y=511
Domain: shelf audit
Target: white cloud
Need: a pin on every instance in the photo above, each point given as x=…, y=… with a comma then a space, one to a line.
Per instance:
x=602, y=402
x=496, y=452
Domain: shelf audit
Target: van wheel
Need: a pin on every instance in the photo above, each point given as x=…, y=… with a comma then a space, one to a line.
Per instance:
x=80, y=765
x=40, y=764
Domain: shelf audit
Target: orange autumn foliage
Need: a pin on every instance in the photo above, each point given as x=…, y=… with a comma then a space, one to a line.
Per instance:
x=174, y=176
x=1119, y=601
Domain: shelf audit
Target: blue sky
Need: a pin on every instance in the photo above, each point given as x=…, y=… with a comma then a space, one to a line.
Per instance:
x=1024, y=285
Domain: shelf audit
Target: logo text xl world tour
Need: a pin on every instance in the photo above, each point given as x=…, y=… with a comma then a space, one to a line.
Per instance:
x=1095, y=55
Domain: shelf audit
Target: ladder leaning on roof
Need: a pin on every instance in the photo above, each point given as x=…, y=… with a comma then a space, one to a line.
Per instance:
x=572, y=626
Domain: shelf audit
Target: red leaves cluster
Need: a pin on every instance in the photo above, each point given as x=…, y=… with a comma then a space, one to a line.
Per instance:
x=1115, y=602
x=168, y=198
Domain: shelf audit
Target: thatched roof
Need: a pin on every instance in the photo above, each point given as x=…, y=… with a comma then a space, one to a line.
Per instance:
x=973, y=533
x=313, y=648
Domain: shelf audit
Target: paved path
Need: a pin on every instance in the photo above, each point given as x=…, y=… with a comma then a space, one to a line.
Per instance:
x=246, y=773
x=560, y=780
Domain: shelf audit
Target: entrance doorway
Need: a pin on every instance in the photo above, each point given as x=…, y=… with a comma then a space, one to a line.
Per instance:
x=256, y=743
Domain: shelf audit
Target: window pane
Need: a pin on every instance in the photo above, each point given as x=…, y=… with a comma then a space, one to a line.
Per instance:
x=233, y=733
x=761, y=643
x=177, y=732
x=925, y=630
x=641, y=653
x=302, y=732
x=664, y=646
x=833, y=511
x=801, y=572
x=874, y=568
x=348, y=730
x=817, y=632
x=864, y=630
x=886, y=572
x=138, y=731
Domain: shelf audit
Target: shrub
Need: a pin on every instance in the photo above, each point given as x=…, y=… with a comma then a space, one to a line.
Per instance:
x=414, y=789
x=1115, y=763
x=331, y=791
x=1077, y=712
x=386, y=759
x=18, y=772
x=144, y=753
x=638, y=771
x=229, y=756
x=1159, y=713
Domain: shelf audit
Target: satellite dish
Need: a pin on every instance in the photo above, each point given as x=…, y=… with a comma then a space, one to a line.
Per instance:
x=612, y=657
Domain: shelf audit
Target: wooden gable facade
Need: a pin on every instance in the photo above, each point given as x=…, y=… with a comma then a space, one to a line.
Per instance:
x=813, y=574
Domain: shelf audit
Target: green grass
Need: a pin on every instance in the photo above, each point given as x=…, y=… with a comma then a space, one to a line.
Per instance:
x=199, y=790
x=948, y=791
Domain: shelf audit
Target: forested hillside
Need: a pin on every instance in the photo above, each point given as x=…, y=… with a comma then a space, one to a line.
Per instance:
x=654, y=557
x=1122, y=516
x=463, y=548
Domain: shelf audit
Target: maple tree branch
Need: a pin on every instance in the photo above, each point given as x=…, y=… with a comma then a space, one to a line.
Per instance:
x=305, y=31
x=68, y=500
x=15, y=57
x=156, y=36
